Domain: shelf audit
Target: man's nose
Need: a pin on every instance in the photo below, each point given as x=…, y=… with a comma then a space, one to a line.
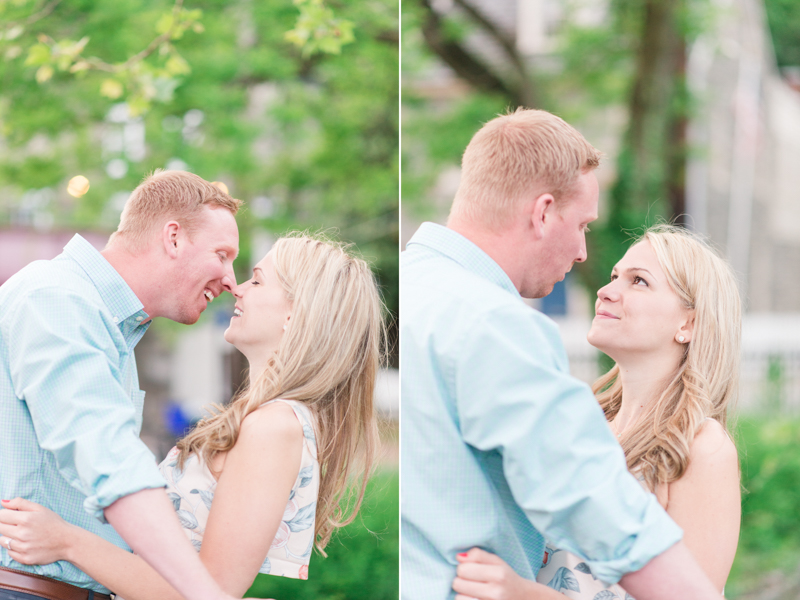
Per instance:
x=229, y=281
x=582, y=254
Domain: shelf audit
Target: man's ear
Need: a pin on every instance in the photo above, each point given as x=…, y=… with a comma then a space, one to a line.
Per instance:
x=540, y=212
x=169, y=236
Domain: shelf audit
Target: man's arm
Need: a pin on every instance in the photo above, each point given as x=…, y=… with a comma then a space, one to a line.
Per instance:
x=671, y=574
x=561, y=462
x=65, y=365
x=146, y=520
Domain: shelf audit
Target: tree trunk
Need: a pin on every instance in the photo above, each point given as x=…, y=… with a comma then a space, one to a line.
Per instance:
x=650, y=167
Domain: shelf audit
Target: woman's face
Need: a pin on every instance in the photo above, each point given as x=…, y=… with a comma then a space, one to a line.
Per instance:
x=638, y=312
x=262, y=311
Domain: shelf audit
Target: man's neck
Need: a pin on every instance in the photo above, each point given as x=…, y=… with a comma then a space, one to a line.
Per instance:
x=138, y=272
x=498, y=245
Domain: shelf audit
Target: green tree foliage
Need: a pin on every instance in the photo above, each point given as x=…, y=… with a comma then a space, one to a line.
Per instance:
x=293, y=107
x=784, y=23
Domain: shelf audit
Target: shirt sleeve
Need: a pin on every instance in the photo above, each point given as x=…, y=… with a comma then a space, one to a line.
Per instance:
x=562, y=464
x=65, y=365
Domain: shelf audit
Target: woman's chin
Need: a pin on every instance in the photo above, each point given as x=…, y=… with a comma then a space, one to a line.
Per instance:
x=596, y=340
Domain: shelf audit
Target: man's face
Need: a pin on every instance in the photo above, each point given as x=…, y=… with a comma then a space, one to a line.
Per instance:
x=565, y=233
x=206, y=264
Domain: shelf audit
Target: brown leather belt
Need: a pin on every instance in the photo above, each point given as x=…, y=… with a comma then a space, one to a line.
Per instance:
x=39, y=585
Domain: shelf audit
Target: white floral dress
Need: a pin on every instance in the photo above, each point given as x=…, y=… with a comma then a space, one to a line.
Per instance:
x=570, y=575
x=192, y=492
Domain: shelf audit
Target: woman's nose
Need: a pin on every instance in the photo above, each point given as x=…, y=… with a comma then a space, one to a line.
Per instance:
x=236, y=290
x=608, y=292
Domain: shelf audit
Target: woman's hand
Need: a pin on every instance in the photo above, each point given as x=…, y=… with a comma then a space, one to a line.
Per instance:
x=485, y=576
x=38, y=536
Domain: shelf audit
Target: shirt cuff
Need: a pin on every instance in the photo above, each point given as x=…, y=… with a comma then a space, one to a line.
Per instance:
x=658, y=534
x=138, y=472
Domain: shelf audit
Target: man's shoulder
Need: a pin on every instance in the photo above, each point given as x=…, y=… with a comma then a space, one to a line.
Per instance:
x=443, y=276
x=47, y=278
x=450, y=304
x=440, y=284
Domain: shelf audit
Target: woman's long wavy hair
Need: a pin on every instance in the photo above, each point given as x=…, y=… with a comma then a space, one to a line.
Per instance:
x=706, y=382
x=328, y=359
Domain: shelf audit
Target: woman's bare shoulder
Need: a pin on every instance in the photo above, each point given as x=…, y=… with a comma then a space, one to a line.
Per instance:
x=712, y=446
x=273, y=419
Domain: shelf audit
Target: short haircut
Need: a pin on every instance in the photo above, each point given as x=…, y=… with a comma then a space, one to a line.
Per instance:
x=168, y=196
x=518, y=154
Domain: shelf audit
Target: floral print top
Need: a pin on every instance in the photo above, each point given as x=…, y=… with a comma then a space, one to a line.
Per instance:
x=192, y=492
x=570, y=575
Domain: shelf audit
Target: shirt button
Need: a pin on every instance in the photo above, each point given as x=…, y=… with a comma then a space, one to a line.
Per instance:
x=139, y=318
x=116, y=319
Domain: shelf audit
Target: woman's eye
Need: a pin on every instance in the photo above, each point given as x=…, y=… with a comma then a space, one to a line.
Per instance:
x=639, y=281
x=613, y=277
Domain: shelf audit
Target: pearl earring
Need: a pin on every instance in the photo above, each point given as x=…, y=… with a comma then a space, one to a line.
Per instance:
x=285, y=325
x=680, y=337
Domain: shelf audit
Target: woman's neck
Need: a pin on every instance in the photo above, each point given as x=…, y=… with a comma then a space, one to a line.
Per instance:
x=643, y=380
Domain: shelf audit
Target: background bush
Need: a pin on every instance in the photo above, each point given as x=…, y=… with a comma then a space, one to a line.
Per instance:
x=769, y=451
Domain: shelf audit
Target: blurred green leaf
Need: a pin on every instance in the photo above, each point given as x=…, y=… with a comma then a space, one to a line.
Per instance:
x=111, y=88
x=44, y=73
x=38, y=54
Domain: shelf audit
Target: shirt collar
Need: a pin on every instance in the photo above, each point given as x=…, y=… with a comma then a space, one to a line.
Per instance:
x=458, y=248
x=114, y=291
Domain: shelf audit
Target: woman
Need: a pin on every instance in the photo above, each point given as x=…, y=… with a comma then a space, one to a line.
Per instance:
x=277, y=460
x=670, y=318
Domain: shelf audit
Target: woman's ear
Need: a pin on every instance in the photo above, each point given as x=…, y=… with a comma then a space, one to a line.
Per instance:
x=685, y=331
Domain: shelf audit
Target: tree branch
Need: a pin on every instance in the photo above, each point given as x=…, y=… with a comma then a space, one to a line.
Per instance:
x=153, y=46
x=101, y=65
x=46, y=10
x=509, y=47
x=462, y=62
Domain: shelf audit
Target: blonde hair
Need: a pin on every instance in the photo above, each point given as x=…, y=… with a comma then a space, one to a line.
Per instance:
x=706, y=382
x=165, y=196
x=328, y=359
x=527, y=151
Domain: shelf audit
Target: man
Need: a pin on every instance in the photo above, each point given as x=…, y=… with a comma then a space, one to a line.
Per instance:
x=499, y=443
x=70, y=404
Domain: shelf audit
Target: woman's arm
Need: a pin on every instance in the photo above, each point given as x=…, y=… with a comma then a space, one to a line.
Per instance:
x=249, y=501
x=251, y=496
x=486, y=576
x=706, y=502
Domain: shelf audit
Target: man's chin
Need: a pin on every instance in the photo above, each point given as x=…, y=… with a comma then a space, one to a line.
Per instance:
x=535, y=293
x=189, y=318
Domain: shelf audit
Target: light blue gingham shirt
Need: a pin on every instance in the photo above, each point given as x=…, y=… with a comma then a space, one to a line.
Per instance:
x=70, y=404
x=498, y=441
